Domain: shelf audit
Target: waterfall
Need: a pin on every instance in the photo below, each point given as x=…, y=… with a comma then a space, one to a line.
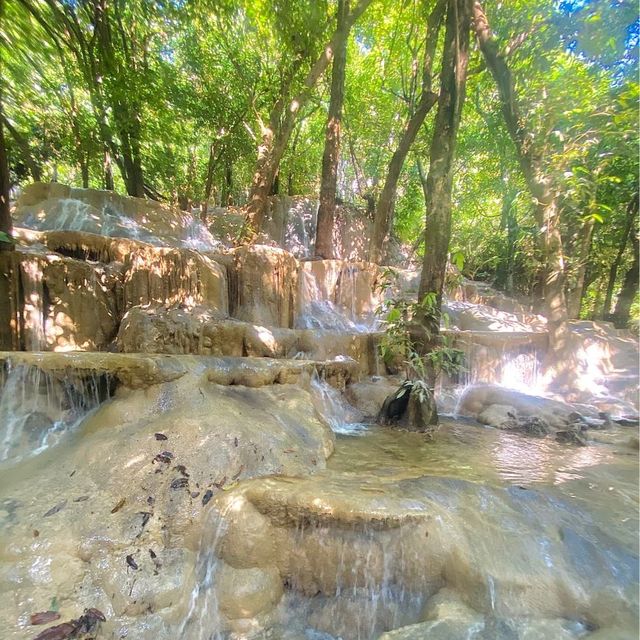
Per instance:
x=514, y=364
x=37, y=409
x=363, y=578
x=333, y=304
x=334, y=409
x=108, y=217
x=203, y=620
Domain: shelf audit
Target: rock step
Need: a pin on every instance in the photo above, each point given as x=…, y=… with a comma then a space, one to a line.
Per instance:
x=144, y=370
x=201, y=332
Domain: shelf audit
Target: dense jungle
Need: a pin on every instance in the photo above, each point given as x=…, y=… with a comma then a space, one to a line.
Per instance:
x=319, y=319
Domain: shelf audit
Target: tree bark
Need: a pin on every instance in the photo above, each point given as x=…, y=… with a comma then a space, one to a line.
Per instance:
x=6, y=225
x=384, y=210
x=208, y=185
x=108, y=171
x=547, y=214
x=227, y=186
x=632, y=212
x=25, y=150
x=331, y=155
x=439, y=181
x=275, y=135
x=575, y=288
x=131, y=155
x=629, y=289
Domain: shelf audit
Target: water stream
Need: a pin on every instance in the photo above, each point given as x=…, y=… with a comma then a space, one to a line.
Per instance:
x=38, y=409
x=207, y=511
x=513, y=537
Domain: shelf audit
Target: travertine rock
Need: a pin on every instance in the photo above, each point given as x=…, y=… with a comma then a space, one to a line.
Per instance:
x=263, y=286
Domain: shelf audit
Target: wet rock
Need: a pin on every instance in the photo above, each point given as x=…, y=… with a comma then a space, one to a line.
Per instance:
x=395, y=404
x=500, y=416
x=615, y=437
x=161, y=276
x=59, y=303
x=448, y=629
x=248, y=540
x=197, y=330
x=571, y=436
x=411, y=407
x=245, y=593
x=538, y=427
x=369, y=395
x=478, y=398
x=264, y=281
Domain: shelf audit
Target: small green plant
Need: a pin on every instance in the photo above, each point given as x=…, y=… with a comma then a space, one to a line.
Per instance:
x=5, y=237
x=399, y=349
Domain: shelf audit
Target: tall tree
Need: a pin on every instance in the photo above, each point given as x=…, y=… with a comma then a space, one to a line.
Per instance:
x=629, y=289
x=384, y=208
x=6, y=226
x=275, y=134
x=109, y=42
x=540, y=184
x=632, y=214
x=329, y=179
x=439, y=182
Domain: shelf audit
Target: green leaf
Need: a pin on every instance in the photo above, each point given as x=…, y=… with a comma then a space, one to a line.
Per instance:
x=458, y=259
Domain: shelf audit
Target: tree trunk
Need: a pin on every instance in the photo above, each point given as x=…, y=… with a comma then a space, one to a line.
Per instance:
x=108, y=171
x=632, y=212
x=275, y=135
x=6, y=225
x=208, y=185
x=227, y=186
x=575, y=288
x=440, y=177
x=25, y=150
x=508, y=223
x=129, y=128
x=547, y=213
x=629, y=289
x=331, y=155
x=275, y=185
x=384, y=211
x=84, y=170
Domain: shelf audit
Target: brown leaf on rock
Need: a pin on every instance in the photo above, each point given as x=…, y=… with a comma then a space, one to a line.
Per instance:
x=59, y=632
x=119, y=505
x=95, y=613
x=55, y=509
x=43, y=617
x=164, y=456
x=220, y=484
x=179, y=483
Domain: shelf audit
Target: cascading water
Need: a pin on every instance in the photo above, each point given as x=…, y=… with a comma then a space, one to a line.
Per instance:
x=107, y=219
x=38, y=409
x=336, y=313
x=334, y=409
x=515, y=366
x=348, y=581
x=203, y=620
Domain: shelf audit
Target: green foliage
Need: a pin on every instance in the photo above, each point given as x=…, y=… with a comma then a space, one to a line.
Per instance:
x=179, y=79
x=398, y=347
